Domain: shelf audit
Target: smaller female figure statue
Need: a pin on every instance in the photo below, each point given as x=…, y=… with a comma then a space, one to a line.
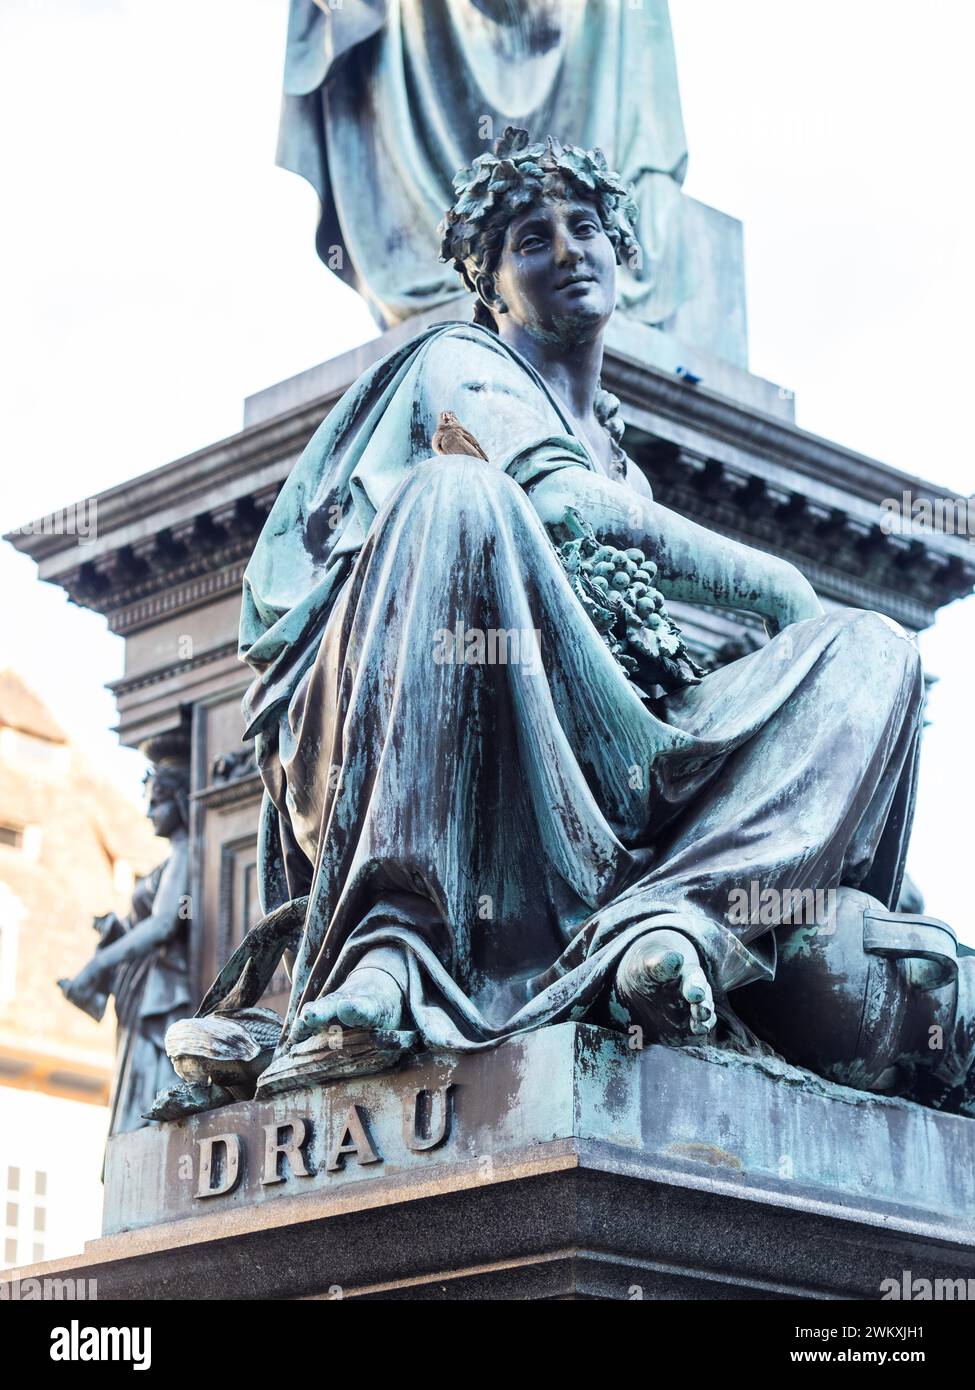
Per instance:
x=142, y=959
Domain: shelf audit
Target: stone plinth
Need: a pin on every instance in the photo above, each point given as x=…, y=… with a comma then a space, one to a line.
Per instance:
x=557, y=1165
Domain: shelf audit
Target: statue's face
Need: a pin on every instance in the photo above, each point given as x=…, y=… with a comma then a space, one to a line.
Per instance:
x=164, y=812
x=557, y=272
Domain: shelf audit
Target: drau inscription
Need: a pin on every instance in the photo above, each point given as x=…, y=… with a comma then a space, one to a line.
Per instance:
x=282, y=1146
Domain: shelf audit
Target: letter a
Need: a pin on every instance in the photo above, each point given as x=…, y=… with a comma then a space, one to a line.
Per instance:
x=738, y=907
x=60, y=1344
x=353, y=1139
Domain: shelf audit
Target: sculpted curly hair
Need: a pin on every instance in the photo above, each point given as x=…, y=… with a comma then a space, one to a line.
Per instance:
x=503, y=184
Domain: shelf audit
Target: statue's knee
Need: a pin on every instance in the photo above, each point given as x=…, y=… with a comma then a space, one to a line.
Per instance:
x=455, y=468
x=462, y=486
x=874, y=642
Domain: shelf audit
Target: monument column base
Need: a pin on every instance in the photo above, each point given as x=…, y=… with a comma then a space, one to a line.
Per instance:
x=559, y=1165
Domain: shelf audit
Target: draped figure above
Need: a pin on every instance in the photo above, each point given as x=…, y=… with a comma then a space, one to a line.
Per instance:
x=385, y=99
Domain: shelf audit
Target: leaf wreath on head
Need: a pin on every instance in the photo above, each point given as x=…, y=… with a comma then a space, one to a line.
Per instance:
x=500, y=185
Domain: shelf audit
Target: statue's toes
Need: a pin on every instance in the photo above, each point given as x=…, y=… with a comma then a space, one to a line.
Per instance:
x=314, y=1018
x=337, y=1008
x=662, y=984
x=697, y=992
x=357, y=1011
x=694, y=986
x=703, y=1019
x=664, y=966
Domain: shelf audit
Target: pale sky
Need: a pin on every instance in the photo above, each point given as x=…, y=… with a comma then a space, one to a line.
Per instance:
x=157, y=268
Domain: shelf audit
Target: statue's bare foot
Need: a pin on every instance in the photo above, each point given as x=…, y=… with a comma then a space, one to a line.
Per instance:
x=369, y=998
x=660, y=985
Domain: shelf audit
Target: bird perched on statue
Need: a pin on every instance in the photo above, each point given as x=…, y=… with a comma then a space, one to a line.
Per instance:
x=450, y=437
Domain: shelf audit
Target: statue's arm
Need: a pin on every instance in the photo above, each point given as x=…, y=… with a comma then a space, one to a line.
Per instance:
x=168, y=911
x=694, y=564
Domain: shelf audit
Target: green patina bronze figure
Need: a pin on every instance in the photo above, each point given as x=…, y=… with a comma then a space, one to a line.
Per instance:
x=500, y=793
x=142, y=959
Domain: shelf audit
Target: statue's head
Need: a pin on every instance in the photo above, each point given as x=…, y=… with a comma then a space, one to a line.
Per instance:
x=167, y=783
x=168, y=792
x=536, y=232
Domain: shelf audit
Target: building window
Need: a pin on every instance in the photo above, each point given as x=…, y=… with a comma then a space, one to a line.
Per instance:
x=25, y=1217
x=11, y=835
x=20, y=839
x=38, y=750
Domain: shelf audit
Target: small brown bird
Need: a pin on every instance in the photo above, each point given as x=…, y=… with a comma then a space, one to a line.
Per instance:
x=450, y=437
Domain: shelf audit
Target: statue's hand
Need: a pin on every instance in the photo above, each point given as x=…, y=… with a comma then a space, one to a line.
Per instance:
x=81, y=991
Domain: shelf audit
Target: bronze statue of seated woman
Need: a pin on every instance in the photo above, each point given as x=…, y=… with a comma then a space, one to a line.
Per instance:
x=499, y=792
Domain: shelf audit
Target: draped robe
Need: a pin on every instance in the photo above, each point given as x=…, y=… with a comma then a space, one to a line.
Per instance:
x=511, y=827
x=384, y=100
x=151, y=992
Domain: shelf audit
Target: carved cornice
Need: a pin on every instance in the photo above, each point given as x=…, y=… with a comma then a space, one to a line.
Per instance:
x=237, y=470
x=180, y=536
x=223, y=794
x=175, y=569
x=693, y=409
x=129, y=617
x=843, y=555
x=128, y=684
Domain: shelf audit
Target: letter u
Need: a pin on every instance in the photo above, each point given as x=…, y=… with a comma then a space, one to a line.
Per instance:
x=418, y=1116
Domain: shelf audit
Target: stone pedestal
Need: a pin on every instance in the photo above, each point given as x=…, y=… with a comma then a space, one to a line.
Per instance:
x=558, y=1165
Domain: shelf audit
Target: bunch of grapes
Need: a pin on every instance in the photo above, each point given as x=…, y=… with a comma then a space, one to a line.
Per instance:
x=625, y=578
x=617, y=590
